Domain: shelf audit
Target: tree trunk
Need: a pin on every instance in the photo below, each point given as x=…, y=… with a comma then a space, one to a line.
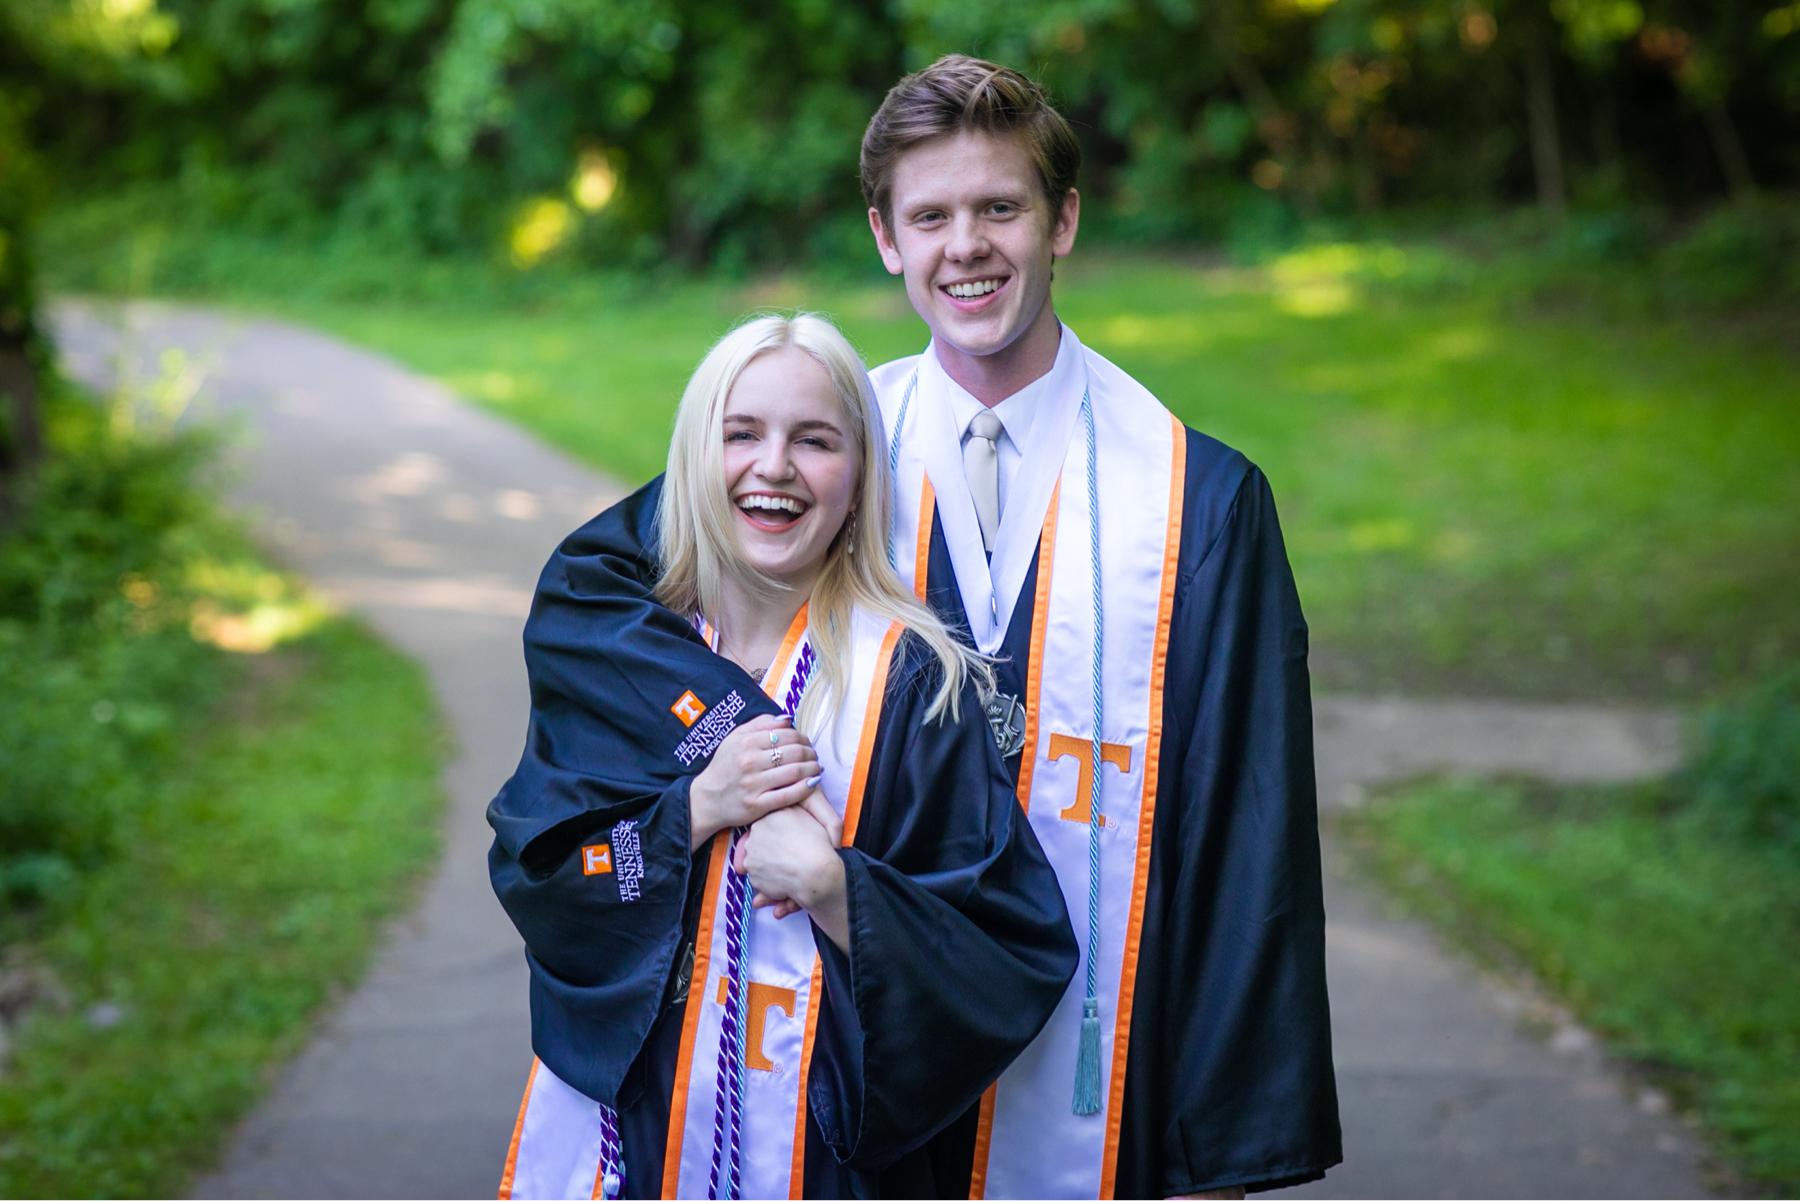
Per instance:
x=1540, y=109
x=22, y=434
x=1733, y=162
x=1259, y=98
x=1607, y=145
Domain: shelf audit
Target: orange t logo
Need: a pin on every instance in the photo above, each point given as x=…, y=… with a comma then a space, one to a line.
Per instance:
x=1116, y=753
x=762, y=998
x=688, y=708
x=596, y=860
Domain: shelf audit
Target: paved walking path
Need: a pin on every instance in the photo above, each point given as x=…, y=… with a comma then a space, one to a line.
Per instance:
x=430, y=520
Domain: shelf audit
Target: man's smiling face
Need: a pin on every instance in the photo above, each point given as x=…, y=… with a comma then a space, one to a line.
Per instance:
x=975, y=239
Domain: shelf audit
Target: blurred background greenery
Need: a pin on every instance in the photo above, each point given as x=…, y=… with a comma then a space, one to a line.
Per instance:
x=1503, y=294
x=1499, y=294
x=641, y=133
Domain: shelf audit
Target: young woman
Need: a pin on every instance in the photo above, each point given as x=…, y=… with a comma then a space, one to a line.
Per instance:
x=783, y=975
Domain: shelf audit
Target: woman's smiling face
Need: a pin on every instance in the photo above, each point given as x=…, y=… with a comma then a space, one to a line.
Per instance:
x=790, y=465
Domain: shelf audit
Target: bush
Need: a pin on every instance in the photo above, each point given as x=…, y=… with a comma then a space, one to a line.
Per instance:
x=95, y=647
x=1743, y=772
x=1738, y=255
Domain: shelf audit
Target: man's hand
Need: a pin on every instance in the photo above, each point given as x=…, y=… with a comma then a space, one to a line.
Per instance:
x=791, y=856
x=833, y=825
x=762, y=766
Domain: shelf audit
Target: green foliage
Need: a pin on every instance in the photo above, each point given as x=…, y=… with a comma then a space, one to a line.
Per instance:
x=205, y=842
x=1618, y=261
x=95, y=600
x=1672, y=938
x=254, y=866
x=635, y=132
x=1737, y=256
x=22, y=184
x=1743, y=774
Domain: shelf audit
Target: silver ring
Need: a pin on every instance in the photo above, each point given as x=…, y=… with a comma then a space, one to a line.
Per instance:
x=775, y=757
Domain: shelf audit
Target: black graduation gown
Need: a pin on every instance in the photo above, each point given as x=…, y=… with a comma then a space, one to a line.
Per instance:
x=959, y=943
x=1229, y=1077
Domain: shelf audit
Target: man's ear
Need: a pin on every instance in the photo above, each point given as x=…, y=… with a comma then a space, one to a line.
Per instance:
x=1068, y=220
x=884, y=242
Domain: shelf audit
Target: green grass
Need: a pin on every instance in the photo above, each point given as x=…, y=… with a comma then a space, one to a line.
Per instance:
x=1476, y=498
x=253, y=875
x=1674, y=941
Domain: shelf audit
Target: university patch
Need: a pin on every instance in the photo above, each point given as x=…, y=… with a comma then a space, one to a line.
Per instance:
x=628, y=858
x=596, y=860
x=706, y=733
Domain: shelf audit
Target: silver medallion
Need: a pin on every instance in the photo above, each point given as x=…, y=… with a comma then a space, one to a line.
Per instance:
x=1006, y=718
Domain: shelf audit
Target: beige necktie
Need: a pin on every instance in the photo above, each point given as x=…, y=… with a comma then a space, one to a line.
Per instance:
x=981, y=463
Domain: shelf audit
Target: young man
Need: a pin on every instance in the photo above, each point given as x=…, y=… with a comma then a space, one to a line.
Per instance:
x=1130, y=578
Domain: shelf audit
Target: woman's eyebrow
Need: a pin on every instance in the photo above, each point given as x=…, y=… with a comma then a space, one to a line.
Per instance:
x=802, y=427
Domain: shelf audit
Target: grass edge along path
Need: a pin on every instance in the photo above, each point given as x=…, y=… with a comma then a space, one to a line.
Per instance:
x=1673, y=942
x=304, y=809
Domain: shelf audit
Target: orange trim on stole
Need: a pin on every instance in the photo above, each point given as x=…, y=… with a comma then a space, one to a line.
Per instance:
x=984, y=1142
x=922, y=547
x=778, y=667
x=1140, y=880
x=1034, y=676
x=852, y=816
x=690, y=1018
x=512, y=1151
x=1034, y=683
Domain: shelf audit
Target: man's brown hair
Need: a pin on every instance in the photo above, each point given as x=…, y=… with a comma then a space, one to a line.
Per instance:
x=959, y=94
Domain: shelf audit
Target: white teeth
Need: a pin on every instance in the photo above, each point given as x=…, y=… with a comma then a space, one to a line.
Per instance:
x=971, y=291
x=781, y=504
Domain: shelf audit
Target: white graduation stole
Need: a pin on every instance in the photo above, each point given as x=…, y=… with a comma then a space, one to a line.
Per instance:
x=1030, y=1143
x=556, y=1148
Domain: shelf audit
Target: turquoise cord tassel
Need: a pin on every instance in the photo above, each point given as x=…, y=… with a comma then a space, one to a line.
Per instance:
x=1087, y=1060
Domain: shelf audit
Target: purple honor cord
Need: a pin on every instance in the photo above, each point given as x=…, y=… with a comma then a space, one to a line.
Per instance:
x=728, y=1107
x=612, y=1155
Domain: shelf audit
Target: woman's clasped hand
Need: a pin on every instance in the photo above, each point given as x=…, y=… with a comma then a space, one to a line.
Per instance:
x=765, y=776
x=763, y=765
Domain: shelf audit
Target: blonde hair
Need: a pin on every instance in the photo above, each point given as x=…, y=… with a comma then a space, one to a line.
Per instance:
x=699, y=545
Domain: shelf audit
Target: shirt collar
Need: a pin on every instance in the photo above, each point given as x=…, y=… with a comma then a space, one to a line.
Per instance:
x=1016, y=411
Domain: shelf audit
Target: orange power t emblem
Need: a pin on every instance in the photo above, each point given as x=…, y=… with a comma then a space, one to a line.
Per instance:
x=762, y=998
x=596, y=860
x=1115, y=753
x=688, y=708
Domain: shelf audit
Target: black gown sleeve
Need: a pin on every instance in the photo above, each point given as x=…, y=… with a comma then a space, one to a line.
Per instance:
x=610, y=749
x=602, y=923
x=1240, y=1069
x=625, y=697
x=960, y=946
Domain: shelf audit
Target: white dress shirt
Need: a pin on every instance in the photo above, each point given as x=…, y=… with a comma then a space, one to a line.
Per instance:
x=1015, y=413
